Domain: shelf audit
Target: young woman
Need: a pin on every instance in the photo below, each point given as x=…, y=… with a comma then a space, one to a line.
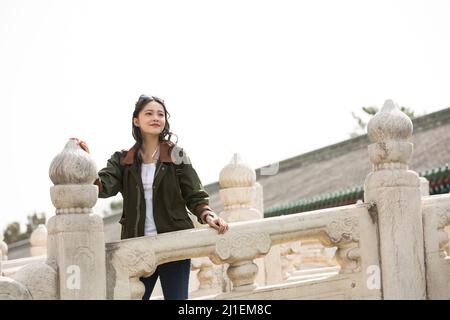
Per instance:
x=157, y=182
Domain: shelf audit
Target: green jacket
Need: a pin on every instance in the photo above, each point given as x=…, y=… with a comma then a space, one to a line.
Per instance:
x=175, y=187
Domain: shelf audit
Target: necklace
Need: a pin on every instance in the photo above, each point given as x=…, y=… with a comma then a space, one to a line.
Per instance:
x=155, y=154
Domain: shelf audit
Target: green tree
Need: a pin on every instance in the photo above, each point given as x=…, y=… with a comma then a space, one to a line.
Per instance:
x=34, y=220
x=13, y=230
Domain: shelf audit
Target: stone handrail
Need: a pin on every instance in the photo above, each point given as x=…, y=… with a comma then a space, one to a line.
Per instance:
x=10, y=267
x=130, y=259
x=436, y=217
x=392, y=246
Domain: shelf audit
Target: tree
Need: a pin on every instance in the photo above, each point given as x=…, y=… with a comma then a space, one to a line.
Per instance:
x=13, y=232
x=34, y=221
x=369, y=112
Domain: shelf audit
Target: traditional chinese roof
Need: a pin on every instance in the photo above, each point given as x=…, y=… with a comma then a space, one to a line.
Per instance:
x=439, y=179
x=333, y=175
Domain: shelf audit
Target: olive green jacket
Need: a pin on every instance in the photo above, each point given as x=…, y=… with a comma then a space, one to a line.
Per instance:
x=175, y=187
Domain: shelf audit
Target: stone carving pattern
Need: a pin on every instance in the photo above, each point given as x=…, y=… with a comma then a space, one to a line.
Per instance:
x=242, y=246
x=344, y=234
x=138, y=262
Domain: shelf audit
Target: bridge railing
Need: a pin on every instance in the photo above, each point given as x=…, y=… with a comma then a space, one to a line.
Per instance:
x=391, y=246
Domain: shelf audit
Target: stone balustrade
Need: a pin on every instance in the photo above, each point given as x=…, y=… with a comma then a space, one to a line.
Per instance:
x=10, y=267
x=391, y=246
x=130, y=259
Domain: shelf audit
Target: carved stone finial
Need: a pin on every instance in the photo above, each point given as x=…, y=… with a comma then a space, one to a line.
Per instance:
x=238, y=189
x=390, y=131
x=73, y=172
x=73, y=166
x=390, y=124
x=39, y=236
x=38, y=241
x=237, y=174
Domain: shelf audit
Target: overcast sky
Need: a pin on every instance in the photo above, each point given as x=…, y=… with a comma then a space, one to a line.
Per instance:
x=267, y=79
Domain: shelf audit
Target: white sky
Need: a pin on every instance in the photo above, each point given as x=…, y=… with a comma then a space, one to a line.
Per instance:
x=267, y=79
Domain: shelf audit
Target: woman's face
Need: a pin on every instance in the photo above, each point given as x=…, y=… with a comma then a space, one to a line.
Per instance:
x=151, y=119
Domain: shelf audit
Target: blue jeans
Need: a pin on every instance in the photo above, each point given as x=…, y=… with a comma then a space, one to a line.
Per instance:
x=174, y=278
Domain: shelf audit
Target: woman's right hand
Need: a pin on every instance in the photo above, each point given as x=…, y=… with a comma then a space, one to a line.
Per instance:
x=82, y=144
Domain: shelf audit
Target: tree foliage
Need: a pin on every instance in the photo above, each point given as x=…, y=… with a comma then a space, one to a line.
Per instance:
x=13, y=230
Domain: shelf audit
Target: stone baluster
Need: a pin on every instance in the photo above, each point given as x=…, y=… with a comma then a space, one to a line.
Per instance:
x=296, y=249
x=288, y=258
x=396, y=192
x=238, y=194
x=3, y=249
x=38, y=241
x=207, y=277
x=75, y=234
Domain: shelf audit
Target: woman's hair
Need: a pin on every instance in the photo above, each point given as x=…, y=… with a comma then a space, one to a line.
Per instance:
x=136, y=131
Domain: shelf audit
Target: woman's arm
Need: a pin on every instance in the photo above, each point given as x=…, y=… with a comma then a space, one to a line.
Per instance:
x=197, y=199
x=109, y=179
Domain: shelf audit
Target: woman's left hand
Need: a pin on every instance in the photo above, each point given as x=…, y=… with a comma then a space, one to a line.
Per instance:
x=217, y=223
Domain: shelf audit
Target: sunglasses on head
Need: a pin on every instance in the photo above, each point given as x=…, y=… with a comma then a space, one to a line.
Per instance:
x=151, y=98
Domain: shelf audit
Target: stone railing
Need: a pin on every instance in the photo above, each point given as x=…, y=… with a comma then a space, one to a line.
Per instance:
x=436, y=216
x=128, y=260
x=9, y=268
x=391, y=246
x=38, y=253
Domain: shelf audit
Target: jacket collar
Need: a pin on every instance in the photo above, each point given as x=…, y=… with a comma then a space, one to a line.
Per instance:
x=165, y=149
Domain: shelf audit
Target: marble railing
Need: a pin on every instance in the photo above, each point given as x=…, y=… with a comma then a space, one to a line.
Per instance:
x=391, y=246
x=128, y=260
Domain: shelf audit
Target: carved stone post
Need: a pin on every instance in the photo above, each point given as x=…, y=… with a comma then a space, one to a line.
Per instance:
x=238, y=191
x=38, y=241
x=396, y=192
x=75, y=234
x=424, y=186
x=239, y=250
x=238, y=194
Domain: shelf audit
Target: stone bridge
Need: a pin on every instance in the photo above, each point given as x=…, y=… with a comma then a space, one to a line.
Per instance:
x=391, y=246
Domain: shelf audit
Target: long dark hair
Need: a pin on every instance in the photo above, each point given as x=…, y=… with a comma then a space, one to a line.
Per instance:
x=140, y=104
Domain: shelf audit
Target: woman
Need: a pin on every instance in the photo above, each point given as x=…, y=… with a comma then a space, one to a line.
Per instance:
x=157, y=182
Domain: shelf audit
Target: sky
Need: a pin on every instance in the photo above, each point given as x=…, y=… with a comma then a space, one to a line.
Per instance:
x=266, y=79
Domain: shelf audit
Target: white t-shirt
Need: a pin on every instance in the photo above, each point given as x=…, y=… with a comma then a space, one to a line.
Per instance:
x=147, y=174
